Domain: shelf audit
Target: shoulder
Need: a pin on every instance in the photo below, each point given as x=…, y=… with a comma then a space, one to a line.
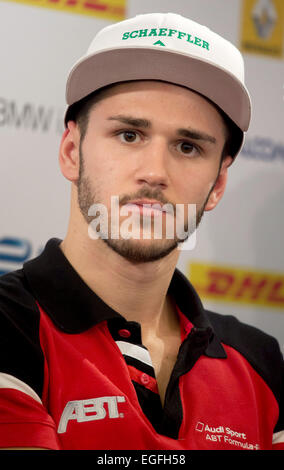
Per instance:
x=17, y=304
x=260, y=349
x=14, y=289
x=237, y=333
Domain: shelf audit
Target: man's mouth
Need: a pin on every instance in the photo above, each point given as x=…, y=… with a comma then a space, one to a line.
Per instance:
x=147, y=207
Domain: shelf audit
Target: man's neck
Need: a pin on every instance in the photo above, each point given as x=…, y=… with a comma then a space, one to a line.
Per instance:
x=138, y=291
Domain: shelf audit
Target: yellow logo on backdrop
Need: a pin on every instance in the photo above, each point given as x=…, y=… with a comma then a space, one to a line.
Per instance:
x=109, y=9
x=263, y=27
x=233, y=284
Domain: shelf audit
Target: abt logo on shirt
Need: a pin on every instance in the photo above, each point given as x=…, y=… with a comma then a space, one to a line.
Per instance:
x=90, y=410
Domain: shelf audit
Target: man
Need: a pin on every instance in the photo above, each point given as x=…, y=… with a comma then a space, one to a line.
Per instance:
x=104, y=343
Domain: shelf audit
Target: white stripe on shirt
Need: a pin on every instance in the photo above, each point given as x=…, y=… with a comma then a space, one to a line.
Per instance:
x=135, y=351
x=9, y=381
x=278, y=437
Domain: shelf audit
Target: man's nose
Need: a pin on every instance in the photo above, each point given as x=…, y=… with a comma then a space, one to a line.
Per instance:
x=152, y=166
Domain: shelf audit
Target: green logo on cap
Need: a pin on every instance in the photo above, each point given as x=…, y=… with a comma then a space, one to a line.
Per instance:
x=140, y=33
x=158, y=43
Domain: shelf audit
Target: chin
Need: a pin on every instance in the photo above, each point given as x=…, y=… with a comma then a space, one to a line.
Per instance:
x=142, y=251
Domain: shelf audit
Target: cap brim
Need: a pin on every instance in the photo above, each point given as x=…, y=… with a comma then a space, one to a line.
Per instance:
x=125, y=64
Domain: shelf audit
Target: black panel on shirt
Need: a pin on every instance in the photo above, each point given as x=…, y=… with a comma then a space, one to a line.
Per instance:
x=20, y=352
x=150, y=403
x=260, y=350
x=191, y=349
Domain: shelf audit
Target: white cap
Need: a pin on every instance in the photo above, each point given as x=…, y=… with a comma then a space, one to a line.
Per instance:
x=167, y=47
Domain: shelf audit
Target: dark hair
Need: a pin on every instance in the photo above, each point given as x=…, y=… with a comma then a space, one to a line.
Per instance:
x=234, y=136
x=80, y=111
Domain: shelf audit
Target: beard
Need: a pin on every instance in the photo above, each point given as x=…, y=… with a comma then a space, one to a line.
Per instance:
x=132, y=249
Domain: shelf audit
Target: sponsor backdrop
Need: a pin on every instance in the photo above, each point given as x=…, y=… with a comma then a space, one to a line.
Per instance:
x=237, y=264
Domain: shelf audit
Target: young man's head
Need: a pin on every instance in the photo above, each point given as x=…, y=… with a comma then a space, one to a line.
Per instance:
x=163, y=134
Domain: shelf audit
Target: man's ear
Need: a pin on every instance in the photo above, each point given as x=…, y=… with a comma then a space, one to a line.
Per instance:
x=69, y=152
x=220, y=185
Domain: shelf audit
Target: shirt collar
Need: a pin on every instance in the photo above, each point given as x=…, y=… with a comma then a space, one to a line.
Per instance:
x=74, y=307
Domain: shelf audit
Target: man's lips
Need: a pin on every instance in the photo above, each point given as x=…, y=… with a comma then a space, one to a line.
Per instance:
x=146, y=206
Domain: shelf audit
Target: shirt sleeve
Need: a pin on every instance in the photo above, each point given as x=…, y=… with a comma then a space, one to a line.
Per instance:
x=24, y=420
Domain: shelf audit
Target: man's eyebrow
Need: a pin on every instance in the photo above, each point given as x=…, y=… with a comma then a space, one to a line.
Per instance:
x=140, y=122
x=196, y=135
x=131, y=121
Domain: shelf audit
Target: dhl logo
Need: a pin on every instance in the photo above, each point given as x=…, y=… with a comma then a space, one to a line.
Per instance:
x=231, y=284
x=109, y=9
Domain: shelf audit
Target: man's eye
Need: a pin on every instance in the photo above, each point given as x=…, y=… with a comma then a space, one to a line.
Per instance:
x=187, y=148
x=129, y=136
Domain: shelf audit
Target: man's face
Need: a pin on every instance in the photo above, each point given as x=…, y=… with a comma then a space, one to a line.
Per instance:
x=150, y=142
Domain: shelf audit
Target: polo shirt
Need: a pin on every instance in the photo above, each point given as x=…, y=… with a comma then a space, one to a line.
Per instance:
x=74, y=373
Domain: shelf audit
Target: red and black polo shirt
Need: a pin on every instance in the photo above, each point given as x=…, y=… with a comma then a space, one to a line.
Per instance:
x=74, y=374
